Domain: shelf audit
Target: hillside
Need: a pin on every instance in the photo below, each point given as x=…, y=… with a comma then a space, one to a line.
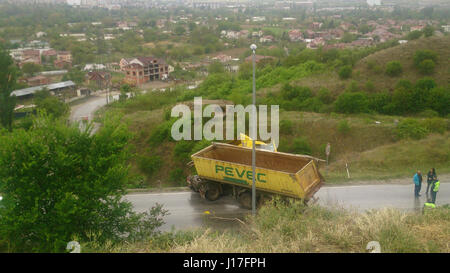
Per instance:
x=368, y=142
x=372, y=68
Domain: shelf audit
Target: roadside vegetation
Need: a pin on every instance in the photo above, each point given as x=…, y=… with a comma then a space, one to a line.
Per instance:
x=293, y=227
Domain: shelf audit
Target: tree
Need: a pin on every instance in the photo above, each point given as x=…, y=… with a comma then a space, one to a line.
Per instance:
x=427, y=67
x=428, y=31
x=7, y=84
x=61, y=182
x=179, y=30
x=50, y=104
x=393, y=68
x=75, y=75
x=216, y=67
x=413, y=35
x=31, y=68
x=422, y=55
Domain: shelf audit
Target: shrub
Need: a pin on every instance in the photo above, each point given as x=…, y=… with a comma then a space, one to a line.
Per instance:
x=393, y=68
x=411, y=128
x=436, y=125
x=59, y=183
x=426, y=67
x=177, y=176
x=286, y=127
x=182, y=150
x=325, y=96
x=343, y=127
x=356, y=102
x=149, y=165
x=378, y=102
x=300, y=146
x=422, y=55
x=160, y=134
x=345, y=72
x=439, y=100
x=428, y=114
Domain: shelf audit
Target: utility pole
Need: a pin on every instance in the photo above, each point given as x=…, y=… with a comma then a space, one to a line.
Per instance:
x=254, y=135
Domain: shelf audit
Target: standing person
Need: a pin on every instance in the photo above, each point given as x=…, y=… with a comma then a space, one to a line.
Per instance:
x=430, y=177
x=417, y=183
x=434, y=189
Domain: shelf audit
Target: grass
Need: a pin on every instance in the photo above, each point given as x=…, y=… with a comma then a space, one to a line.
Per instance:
x=293, y=227
x=394, y=160
x=283, y=227
x=362, y=73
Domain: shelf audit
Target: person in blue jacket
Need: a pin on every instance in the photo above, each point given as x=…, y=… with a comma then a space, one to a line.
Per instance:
x=417, y=179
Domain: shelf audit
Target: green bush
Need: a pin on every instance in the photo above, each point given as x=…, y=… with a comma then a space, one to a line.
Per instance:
x=411, y=128
x=149, y=165
x=428, y=113
x=394, y=68
x=182, y=151
x=325, y=96
x=286, y=127
x=345, y=72
x=355, y=102
x=378, y=102
x=177, y=176
x=59, y=183
x=161, y=134
x=422, y=55
x=426, y=67
x=436, y=125
x=300, y=146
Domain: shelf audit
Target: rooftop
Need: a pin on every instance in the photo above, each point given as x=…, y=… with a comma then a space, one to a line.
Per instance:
x=50, y=87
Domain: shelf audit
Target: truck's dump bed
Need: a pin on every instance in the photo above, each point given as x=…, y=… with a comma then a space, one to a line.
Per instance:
x=286, y=174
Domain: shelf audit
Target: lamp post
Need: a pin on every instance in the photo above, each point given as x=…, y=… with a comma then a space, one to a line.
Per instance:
x=254, y=134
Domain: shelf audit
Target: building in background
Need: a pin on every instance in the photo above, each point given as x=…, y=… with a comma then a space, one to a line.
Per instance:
x=144, y=69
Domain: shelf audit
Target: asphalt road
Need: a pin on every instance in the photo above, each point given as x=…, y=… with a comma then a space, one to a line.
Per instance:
x=187, y=209
x=87, y=108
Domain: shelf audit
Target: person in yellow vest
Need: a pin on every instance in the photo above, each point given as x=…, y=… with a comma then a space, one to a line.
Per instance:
x=434, y=189
x=428, y=206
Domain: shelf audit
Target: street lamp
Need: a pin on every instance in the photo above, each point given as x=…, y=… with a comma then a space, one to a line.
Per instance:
x=254, y=133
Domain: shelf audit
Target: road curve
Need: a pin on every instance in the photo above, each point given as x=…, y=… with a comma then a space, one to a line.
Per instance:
x=187, y=209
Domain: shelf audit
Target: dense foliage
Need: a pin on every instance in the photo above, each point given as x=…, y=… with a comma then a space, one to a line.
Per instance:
x=59, y=183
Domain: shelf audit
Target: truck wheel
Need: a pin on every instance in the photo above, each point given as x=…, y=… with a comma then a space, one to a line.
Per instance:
x=212, y=192
x=245, y=200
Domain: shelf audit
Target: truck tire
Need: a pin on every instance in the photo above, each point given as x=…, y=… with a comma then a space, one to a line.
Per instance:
x=212, y=192
x=245, y=200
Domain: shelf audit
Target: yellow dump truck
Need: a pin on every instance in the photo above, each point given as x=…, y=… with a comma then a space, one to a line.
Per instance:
x=225, y=169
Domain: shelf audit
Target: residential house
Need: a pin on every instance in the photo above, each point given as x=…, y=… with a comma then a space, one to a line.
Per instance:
x=222, y=58
x=91, y=67
x=266, y=39
x=418, y=27
x=295, y=35
x=38, y=80
x=63, y=60
x=101, y=79
x=144, y=69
